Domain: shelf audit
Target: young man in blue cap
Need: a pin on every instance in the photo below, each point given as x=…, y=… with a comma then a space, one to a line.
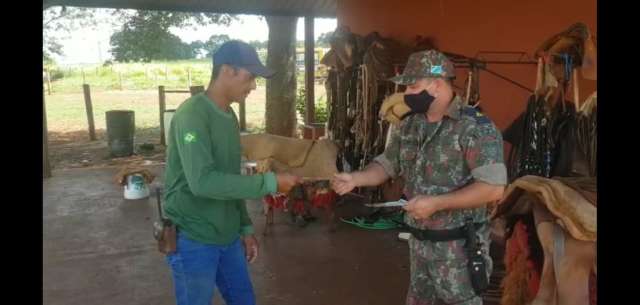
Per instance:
x=205, y=191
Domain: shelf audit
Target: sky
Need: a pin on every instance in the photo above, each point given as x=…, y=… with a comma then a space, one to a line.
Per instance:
x=91, y=45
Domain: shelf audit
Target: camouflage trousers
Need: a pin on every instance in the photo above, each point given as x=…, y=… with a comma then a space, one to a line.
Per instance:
x=439, y=274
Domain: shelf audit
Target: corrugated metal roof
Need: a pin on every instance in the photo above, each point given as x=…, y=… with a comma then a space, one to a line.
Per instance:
x=317, y=8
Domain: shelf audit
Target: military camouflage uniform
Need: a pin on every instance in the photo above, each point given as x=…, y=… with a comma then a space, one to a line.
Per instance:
x=435, y=159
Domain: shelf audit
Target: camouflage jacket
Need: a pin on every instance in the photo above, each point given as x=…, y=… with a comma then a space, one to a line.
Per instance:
x=442, y=157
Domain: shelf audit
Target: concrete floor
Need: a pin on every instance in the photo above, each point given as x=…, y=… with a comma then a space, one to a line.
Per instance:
x=98, y=249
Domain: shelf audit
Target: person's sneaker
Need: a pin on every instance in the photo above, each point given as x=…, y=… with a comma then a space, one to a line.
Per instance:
x=404, y=236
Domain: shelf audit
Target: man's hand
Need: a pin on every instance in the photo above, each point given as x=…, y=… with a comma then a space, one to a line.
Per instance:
x=422, y=207
x=343, y=183
x=250, y=247
x=286, y=182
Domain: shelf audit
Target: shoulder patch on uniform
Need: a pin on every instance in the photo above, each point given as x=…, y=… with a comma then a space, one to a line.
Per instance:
x=475, y=115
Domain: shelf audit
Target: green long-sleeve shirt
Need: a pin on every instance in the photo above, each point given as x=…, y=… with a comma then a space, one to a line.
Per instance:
x=205, y=192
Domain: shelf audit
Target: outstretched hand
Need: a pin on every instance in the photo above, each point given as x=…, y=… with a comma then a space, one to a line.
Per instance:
x=286, y=182
x=343, y=183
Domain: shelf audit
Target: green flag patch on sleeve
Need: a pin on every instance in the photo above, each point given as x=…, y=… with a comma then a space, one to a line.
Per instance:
x=190, y=137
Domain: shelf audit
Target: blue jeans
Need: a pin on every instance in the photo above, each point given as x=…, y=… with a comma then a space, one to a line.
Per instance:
x=198, y=268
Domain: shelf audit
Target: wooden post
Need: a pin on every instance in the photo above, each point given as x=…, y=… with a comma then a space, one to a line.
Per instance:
x=46, y=166
x=89, y=107
x=243, y=116
x=188, y=77
x=309, y=66
x=48, y=81
x=196, y=89
x=120, y=79
x=162, y=105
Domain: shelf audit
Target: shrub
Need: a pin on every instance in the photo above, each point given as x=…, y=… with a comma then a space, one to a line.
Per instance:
x=320, y=107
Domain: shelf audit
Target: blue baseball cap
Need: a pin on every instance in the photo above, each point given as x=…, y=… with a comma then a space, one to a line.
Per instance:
x=242, y=55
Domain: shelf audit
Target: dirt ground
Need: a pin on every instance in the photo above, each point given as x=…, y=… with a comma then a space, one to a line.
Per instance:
x=74, y=150
x=98, y=249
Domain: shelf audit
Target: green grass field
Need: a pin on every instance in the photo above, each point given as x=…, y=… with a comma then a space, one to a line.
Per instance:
x=66, y=112
x=131, y=76
x=136, y=76
x=67, y=119
x=65, y=105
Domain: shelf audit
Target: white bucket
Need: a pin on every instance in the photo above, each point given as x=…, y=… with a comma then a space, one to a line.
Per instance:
x=168, y=114
x=136, y=187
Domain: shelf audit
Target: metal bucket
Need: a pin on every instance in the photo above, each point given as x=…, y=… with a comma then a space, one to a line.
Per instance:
x=120, y=132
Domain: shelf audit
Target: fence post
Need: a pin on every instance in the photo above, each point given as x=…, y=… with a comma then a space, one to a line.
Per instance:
x=196, y=89
x=45, y=141
x=89, y=107
x=161, y=96
x=243, y=116
x=120, y=79
x=188, y=77
x=48, y=81
x=309, y=70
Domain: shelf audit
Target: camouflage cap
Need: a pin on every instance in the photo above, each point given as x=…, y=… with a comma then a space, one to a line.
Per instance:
x=423, y=64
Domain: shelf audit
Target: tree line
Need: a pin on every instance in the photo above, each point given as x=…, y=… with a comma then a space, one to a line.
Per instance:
x=145, y=36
